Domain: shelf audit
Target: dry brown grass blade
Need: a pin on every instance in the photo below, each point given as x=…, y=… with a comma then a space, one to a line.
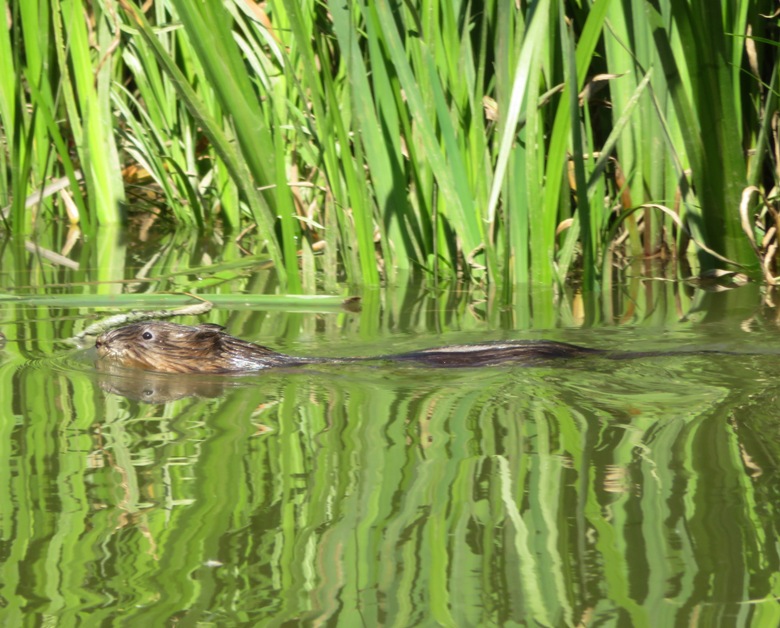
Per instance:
x=766, y=251
x=677, y=221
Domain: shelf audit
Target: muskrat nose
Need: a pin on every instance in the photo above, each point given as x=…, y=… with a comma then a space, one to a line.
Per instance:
x=101, y=341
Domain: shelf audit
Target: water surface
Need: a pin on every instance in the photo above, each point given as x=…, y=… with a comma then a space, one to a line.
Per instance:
x=637, y=492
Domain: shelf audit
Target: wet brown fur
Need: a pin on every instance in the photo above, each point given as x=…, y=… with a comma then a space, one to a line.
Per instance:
x=172, y=348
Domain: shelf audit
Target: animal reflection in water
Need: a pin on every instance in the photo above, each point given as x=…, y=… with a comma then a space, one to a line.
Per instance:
x=152, y=387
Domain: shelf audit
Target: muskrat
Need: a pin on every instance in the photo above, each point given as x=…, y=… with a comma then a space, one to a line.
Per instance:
x=207, y=348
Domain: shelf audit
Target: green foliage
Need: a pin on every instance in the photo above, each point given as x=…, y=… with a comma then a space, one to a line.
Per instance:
x=500, y=142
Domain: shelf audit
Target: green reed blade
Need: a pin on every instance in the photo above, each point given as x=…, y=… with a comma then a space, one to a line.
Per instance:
x=380, y=140
x=362, y=208
x=289, y=301
x=260, y=204
x=208, y=29
x=705, y=107
x=583, y=201
x=532, y=40
x=46, y=110
x=97, y=149
x=461, y=208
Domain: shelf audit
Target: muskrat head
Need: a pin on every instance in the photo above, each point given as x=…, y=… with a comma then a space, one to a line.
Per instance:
x=173, y=348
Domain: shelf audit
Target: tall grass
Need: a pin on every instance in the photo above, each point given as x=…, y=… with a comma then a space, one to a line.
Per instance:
x=499, y=142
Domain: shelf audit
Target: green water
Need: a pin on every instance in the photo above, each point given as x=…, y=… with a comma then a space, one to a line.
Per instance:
x=590, y=492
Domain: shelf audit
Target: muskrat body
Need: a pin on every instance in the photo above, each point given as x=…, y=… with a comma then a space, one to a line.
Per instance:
x=172, y=348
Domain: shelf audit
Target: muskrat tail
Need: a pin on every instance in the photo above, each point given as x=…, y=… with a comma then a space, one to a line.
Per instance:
x=638, y=355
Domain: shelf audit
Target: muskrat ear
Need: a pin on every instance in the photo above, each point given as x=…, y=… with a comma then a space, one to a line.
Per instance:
x=206, y=337
x=211, y=327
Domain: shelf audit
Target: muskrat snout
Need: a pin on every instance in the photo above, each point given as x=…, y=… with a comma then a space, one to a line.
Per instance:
x=101, y=342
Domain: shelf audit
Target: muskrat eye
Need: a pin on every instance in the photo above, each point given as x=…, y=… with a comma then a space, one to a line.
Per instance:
x=148, y=335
